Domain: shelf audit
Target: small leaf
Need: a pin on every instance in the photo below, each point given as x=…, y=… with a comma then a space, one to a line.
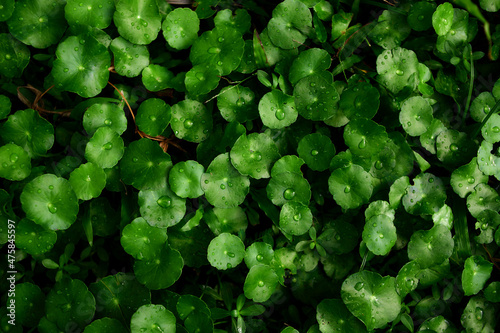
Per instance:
x=14, y=56
x=95, y=13
x=139, y=22
x=315, y=97
x=129, y=59
x=311, y=61
x=237, y=103
x=290, y=24
x=260, y=283
x=151, y=318
x=191, y=120
x=416, y=115
x=295, y=218
x=407, y=278
x=88, y=181
x=16, y=163
x=105, y=148
x=225, y=251
x=142, y=241
x=277, y=110
x=398, y=69
x=350, y=186
x=316, y=150
x=431, y=247
x=442, y=19
x=180, y=28
x=477, y=271
x=157, y=77
x=185, y=179
x=258, y=253
x=160, y=272
x=161, y=207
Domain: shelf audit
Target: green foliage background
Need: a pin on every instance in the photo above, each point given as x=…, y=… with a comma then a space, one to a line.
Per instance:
x=247, y=166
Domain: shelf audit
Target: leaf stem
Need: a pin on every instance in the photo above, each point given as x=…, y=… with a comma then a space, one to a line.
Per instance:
x=471, y=85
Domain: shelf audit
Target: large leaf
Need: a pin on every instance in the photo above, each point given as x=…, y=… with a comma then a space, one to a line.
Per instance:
x=138, y=21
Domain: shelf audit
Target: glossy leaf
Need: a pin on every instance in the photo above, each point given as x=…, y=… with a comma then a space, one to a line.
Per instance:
x=477, y=271
x=191, y=120
x=180, y=28
x=88, y=181
x=14, y=56
x=105, y=148
x=236, y=103
x=95, y=13
x=316, y=150
x=16, y=163
x=185, y=179
x=290, y=24
x=315, y=97
x=260, y=283
x=139, y=22
x=141, y=240
x=129, y=59
x=225, y=251
x=332, y=315
x=350, y=186
x=416, y=115
x=430, y=247
x=152, y=318
x=160, y=272
x=398, y=69
x=161, y=207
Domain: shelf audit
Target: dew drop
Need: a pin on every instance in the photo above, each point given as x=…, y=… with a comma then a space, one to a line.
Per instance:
x=14, y=158
x=289, y=194
x=420, y=17
x=297, y=217
x=358, y=286
x=399, y=72
x=222, y=186
x=257, y=156
x=471, y=180
x=188, y=123
x=280, y=115
x=347, y=189
x=164, y=201
x=259, y=257
x=261, y=283
x=379, y=165
x=314, y=152
x=135, y=159
x=52, y=208
x=362, y=144
x=66, y=70
x=107, y=146
x=453, y=147
x=107, y=122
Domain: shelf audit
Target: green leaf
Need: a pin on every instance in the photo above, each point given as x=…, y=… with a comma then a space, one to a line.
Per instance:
x=188, y=305
x=254, y=154
x=95, y=13
x=295, y=218
x=491, y=130
x=230, y=220
x=180, y=28
x=50, y=201
x=161, y=207
x=316, y=150
x=438, y=324
x=88, y=181
x=442, y=19
x=397, y=190
x=430, y=247
x=221, y=48
x=420, y=15
x=309, y=62
x=407, y=278
x=119, y=296
x=288, y=163
x=288, y=186
x=416, y=115
x=27, y=129
x=484, y=197
x=104, y=115
x=260, y=283
x=379, y=232
x=258, y=253
x=139, y=22
x=426, y=196
x=465, y=178
x=151, y=318
x=277, y=110
x=492, y=292
x=81, y=66
x=360, y=100
x=33, y=238
x=191, y=120
x=153, y=116
x=444, y=217
x=490, y=5
x=332, y=315
x=315, y=97
x=477, y=271
x=202, y=79
x=156, y=78
x=239, y=21
x=30, y=303
x=129, y=59
x=105, y=148
x=351, y=186
x=428, y=139
x=487, y=223
x=454, y=147
x=479, y=316
x=371, y=298
x=14, y=56
x=16, y=163
x=364, y=137
x=487, y=159
x=70, y=303
x=7, y=10
x=185, y=179
x=391, y=30
x=223, y=185
x=105, y=325
x=162, y=271
x=338, y=237
x=141, y=240
x=237, y=103
x=398, y=69
x=225, y=251
x=290, y=25
x=39, y=23
x=5, y=105
x=145, y=165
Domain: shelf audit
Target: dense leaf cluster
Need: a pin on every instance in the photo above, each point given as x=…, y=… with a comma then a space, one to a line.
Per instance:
x=241, y=166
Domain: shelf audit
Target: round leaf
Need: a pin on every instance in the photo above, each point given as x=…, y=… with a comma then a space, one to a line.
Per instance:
x=430, y=247
x=129, y=59
x=105, y=148
x=161, y=208
x=317, y=150
x=391, y=29
x=416, y=115
x=491, y=130
x=138, y=21
x=88, y=181
x=350, y=186
x=315, y=98
x=477, y=271
x=27, y=129
x=39, y=23
x=290, y=25
x=277, y=110
x=258, y=253
x=253, y=155
x=156, y=78
x=466, y=178
x=81, y=66
x=185, y=179
x=398, y=69
x=236, y=103
x=14, y=56
x=109, y=325
x=288, y=186
x=225, y=251
x=29, y=302
x=311, y=61
x=142, y=241
x=360, y=100
x=239, y=21
x=180, y=28
x=191, y=120
x=223, y=185
x=426, y=196
x=407, y=278
x=96, y=13
x=492, y=292
x=479, y=316
x=365, y=137
x=488, y=160
x=442, y=19
x=371, y=298
x=201, y=79
x=454, y=147
x=483, y=198
x=70, y=303
x=160, y=272
x=230, y=220
x=151, y=318
x=34, y=239
x=221, y=48
x=481, y=106
x=50, y=201
x=153, y=116
x=379, y=234
x=16, y=163
x=420, y=15
x=7, y=9
x=145, y=165
x=332, y=315
x=260, y=283
x=295, y=218
x=288, y=163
